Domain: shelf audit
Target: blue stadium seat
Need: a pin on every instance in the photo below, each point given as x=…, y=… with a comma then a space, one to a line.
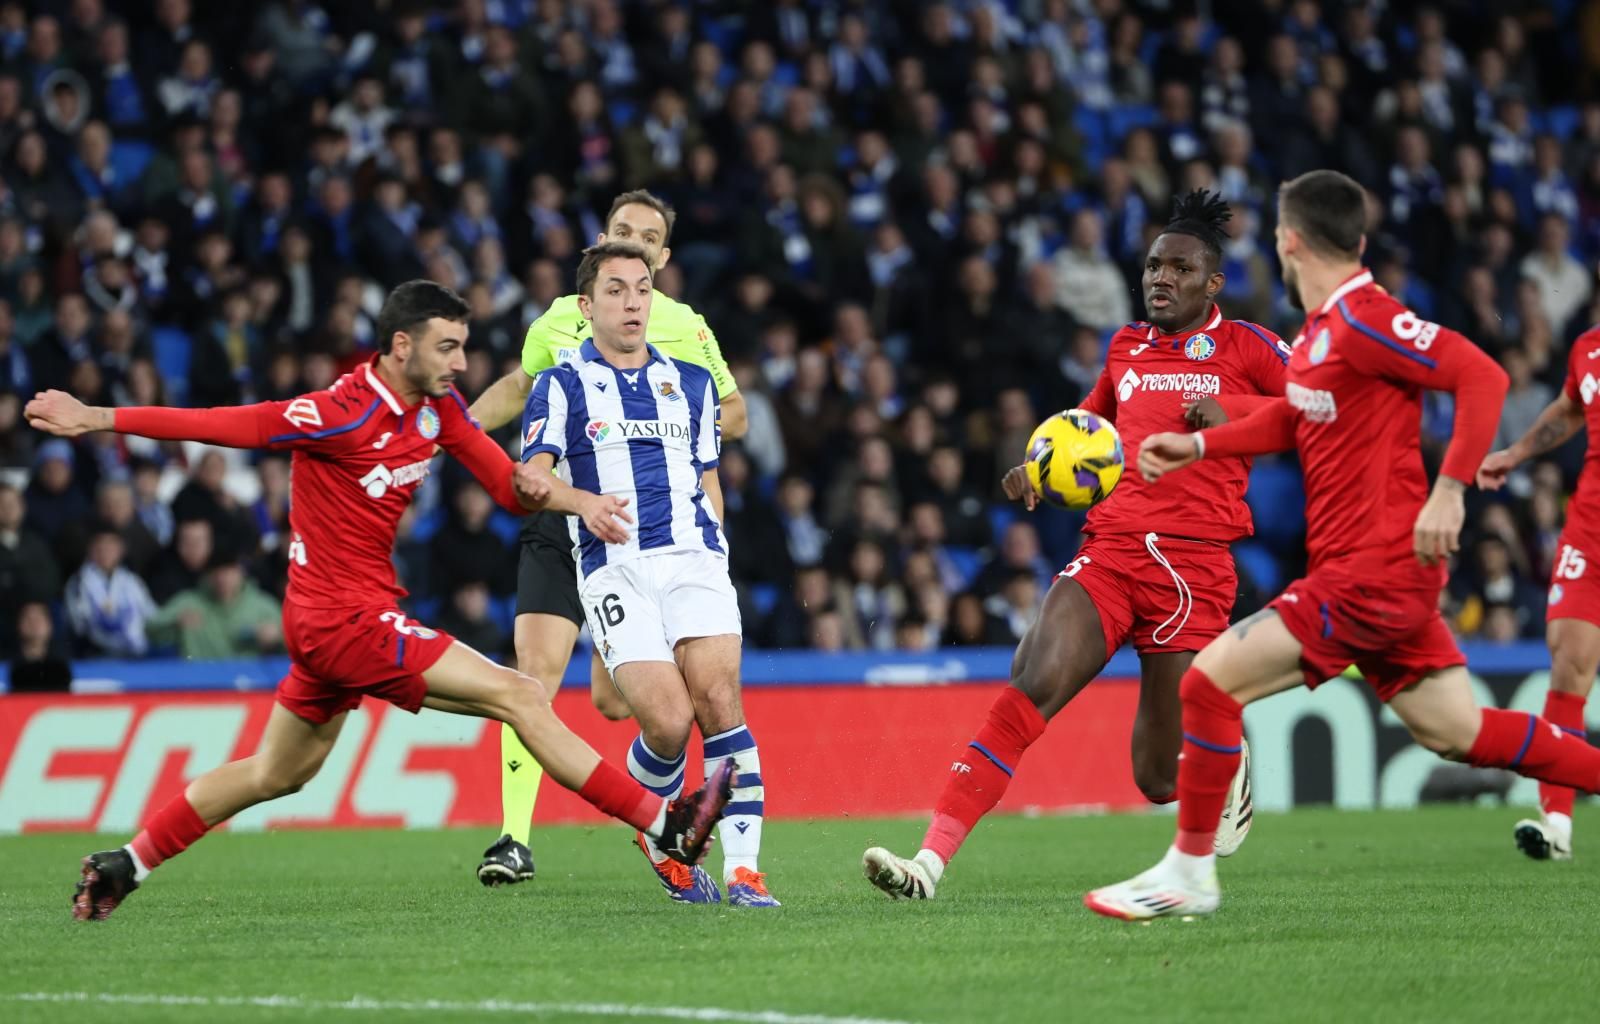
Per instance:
x=1260, y=565
x=622, y=112
x=1091, y=124
x=505, y=526
x=426, y=525
x=764, y=596
x=426, y=609
x=171, y=346
x=1000, y=517
x=967, y=562
x=1277, y=500
x=1121, y=120
x=1561, y=122
x=129, y=158
x=503, y=612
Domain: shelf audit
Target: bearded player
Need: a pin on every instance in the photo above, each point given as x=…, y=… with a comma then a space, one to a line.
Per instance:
x=360, y=450
x=1155, y=567
x=1572, y=613
x=1378, y=542
x=549, y=613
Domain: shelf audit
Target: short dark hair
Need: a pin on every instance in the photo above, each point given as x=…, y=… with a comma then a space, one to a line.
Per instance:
x=644, y=197
x=595, y=255
x=417, y=302
x=1328, y=208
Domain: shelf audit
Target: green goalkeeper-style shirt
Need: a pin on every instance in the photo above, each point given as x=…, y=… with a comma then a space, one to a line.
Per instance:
x=674, y=328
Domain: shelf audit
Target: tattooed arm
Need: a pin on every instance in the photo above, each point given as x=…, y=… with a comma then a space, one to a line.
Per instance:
x=1556, y=424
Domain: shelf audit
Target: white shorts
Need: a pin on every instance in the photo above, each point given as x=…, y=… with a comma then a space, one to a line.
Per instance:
x=638, y=610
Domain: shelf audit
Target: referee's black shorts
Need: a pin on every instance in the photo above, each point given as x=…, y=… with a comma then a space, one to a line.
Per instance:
x=547, y=577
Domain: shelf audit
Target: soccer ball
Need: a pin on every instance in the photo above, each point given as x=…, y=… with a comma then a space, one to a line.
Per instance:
x=1074, y=459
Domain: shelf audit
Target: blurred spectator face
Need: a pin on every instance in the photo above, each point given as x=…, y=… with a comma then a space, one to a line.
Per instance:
x=1494, y=561
x=1412, y=148
x=1283, y=57
x=758, y=62
x=195, y=64
x=1016, y=410
x=1553, y=235
x=927, y=524
x=705, y=61
x=1517, y=368
x=827, y=632
x=942, y=187
x=12, y=509
x=196, y=170
x=1547, y=154
x=1177, y=103
x=444, y=148
x=144, y=383
x=643, y=226
x=335, y=196
x=193, y=543
x=944, y=468
x=811, y=372
x=919, y=569
x=44, y=39
x=153, y=234
x=94, y=145
x=976, y=278
x=934, y=603
x=852, y=327
x=480, y=300
x=811, y=588
x=919, y=431
x=213, y=469
x=1021, y=593
x=703, y=164
x=112, y=46
x=1500, y=624
x=754, y=291
x=912, y=635
x=72, y=315
x=114, y=503
x=1087, y=232
x=31, y=154
x=544, y=282
x=472, y=602
x=225, y=582
x=173, y=14
x=1545, y=510
x=873, y=509
x=86, y=381
x=942, y=397
x=1020, y=545
x=34, y=627
x=967, y=618
x=733, y=471
x=105, y=551
x=863, y=423
x=1322, y=111
x=878, y=378
x=474, y=506
x=876, y=459
x=817, y=205
x=794, y=496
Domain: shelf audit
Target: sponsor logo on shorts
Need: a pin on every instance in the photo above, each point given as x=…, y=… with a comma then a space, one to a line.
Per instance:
x=1317, y=405
x=1199, y=347
x=428, y=422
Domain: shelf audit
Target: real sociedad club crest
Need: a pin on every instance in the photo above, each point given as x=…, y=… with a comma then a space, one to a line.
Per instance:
x=428, y=423
x=1320, y=345
x=1199, y=347
x=667, y=391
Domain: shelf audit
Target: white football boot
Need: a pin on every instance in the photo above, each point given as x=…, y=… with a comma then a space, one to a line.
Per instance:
x=902, y=879
x=1549, y=837
x=1239, y=810
x=1170, y=889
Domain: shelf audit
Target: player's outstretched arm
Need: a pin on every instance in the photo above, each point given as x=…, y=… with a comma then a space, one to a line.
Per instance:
x=1560, y=420
x=502, y=402
x=1270, y=428
x=539, y=489
x=242, y=426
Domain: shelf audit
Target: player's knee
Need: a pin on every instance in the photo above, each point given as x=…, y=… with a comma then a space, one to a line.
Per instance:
x=668, y=735
x=610, y=705
x=279, y=780
x=1158, y=787
x=1039, y=680
x=1571, y=671
x=1449, y=742
x=522, y=699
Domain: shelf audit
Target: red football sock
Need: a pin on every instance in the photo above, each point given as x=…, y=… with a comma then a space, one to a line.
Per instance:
x=979, y=778
x=612, y=791
x=1531, y=746
x=1213, y=731
x=169, y=832
x=1565, y=711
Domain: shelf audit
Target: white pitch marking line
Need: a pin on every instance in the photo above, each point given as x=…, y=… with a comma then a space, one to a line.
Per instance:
x=623, y=1010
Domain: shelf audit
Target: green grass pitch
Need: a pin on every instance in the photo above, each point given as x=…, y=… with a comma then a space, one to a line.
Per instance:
x=1397, y=916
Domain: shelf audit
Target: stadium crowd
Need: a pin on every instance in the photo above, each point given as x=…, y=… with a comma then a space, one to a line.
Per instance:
x=912, y=227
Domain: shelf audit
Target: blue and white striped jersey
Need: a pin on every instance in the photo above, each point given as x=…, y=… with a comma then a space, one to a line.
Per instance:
x=645, y=435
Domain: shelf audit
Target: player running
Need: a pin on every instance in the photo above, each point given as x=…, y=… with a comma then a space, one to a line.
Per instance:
x=1378, y=542
x=1155, y=567
x=548, y=612
x=625, y=421
x=1572, y=614
x=361, y=448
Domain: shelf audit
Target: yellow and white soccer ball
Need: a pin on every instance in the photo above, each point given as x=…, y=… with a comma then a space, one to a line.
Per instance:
x=1074, y=459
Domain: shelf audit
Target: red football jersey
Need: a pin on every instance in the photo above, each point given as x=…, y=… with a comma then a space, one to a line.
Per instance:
x=1356, y=377
x=359, y=455
x=1147, y=378
x=1583, y=387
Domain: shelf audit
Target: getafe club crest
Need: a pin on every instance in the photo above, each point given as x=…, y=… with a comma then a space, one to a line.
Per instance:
x=1320, y=345
x=428, y=423
x=1199, y=347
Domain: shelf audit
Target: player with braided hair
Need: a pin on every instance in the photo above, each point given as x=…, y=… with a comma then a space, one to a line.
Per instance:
x=1155, y=566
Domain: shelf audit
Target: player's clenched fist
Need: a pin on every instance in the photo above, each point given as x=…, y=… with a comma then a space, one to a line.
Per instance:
x=56, y=412
x=1162, y=453
x=1496, y=467
x=1437, y=534
x=601, y=514
x=532, y=485
x=1017, y=487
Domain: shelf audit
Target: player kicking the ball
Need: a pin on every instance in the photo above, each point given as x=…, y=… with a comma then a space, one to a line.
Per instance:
x=1155, y=568
x=1378, y=542
x=549, y=613
x=629, y=426
x=1572, y=614
x=360, y=450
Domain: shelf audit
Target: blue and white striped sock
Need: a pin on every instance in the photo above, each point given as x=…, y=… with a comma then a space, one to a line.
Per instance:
x=740, y=829
x=659, y=775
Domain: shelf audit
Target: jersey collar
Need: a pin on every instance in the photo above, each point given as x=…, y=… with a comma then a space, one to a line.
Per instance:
x=592, y=354
x=1360, y=279
x=377, y=384
x=1211, y=325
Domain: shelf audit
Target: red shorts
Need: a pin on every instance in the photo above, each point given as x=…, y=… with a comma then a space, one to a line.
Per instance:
x=1574, y=590
x=339, y=655
x=1164, y=593
x=1394, y=637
